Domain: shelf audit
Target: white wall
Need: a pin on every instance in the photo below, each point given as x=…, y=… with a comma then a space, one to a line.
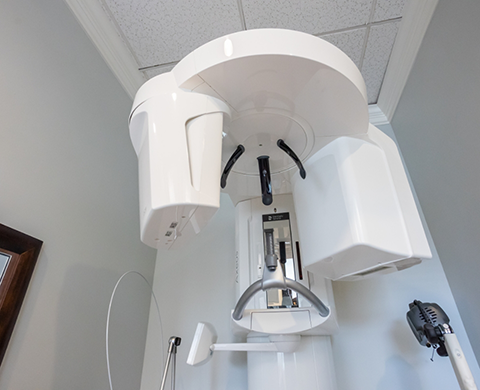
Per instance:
x=374, y=349
x=68, y=177
x=437, y=125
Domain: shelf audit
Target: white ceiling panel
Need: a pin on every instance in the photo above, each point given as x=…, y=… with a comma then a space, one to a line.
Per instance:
x=350, y=42
x=379, y=47
x=309, y=16
x=160, y=32
x=388, y=9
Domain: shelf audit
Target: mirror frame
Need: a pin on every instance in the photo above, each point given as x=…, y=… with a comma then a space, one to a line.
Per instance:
x=24, y=251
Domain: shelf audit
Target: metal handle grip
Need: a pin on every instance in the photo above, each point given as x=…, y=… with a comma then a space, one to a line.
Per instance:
x=259, y=285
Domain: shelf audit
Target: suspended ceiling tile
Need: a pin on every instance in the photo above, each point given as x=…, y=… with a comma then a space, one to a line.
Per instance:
x=310, y=16
x=350, y=42
x=165, y=31
x=379, y=47
x=388, y=9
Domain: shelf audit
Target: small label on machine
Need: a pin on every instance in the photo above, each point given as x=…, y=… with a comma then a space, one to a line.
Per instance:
x=275, y=217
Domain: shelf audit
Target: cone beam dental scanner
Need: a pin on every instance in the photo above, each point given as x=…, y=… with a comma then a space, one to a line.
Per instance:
x=278, y=120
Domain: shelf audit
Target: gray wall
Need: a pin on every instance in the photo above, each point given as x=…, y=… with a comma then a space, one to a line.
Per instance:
x=68, y=177
x=437, y=124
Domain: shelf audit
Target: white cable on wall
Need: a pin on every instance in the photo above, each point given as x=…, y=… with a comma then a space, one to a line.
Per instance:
x=108, y=319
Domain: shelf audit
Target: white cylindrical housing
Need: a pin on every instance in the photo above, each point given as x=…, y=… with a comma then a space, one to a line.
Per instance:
x=177, y=136
x=310, y=367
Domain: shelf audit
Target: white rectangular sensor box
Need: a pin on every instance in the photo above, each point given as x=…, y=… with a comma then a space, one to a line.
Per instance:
x=356, y=214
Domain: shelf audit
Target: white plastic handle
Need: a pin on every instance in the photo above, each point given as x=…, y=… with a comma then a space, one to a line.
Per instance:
x=459, y=363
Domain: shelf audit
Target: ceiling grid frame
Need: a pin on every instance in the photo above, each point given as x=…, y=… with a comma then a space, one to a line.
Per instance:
x=242, y=15
x=367, y=34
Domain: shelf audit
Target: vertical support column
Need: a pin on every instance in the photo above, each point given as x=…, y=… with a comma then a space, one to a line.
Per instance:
x=310, y=367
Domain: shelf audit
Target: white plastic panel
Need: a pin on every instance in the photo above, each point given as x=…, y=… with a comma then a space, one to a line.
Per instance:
x=249, y=268
x=204, y=142
x=281, y=321
x=310, y=367
x=279, y=84
x=413, y=224
x=256, y=131
x=355, y=213
x=177, y=137
x=306, y=321
x=234, y=48
x=205, y=336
